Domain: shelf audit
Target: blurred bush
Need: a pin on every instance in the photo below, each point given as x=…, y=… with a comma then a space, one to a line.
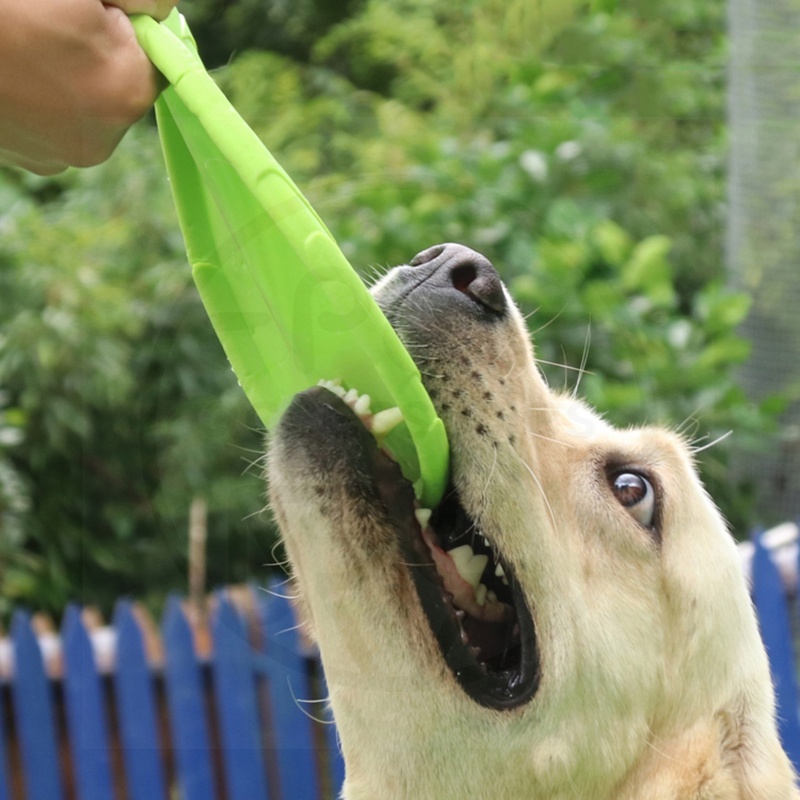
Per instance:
x=578, y=146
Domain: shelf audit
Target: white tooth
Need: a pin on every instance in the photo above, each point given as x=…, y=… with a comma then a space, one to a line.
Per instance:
x=461, y=558
x=362, y=405
x=351, y=396
x=472, y=571
x=423, y=516
x=387, y=420
x=418, y=487
x=480, y=594
x=499, y=571
x=486, y=541
x=332, y=386
x=491, y=596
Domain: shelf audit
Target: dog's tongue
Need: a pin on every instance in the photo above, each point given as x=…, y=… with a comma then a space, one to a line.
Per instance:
x=461, y=590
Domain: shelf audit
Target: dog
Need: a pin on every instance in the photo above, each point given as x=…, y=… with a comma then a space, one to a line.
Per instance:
x=570, y=622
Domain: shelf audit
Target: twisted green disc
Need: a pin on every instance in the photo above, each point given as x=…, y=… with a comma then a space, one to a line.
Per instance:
x=284, y=301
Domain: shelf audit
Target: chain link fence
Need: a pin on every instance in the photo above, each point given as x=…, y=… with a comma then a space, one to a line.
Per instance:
x=763, y=236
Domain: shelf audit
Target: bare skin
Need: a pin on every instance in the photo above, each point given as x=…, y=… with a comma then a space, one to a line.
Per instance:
x=73, y=80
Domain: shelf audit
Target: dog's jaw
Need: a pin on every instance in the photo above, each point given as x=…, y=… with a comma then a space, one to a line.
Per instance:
x=629, y=625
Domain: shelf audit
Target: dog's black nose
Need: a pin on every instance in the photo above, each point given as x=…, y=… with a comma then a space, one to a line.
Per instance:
x=467, y=271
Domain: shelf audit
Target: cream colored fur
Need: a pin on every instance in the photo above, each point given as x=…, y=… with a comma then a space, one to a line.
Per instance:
x=654, y=682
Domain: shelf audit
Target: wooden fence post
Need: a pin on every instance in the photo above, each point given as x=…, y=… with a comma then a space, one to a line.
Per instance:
x=186, y=703
x=136, y=710
x=776, y=631
x=86, y=711
x=33, y=710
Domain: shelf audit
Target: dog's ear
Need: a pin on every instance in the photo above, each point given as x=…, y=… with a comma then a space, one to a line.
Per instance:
x=753, y=755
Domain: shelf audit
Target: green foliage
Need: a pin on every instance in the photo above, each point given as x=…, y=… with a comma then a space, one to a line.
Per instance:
x=126, y=401
x=579, y=147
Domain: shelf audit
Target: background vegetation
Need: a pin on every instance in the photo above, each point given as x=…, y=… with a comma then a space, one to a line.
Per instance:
x=580, y=146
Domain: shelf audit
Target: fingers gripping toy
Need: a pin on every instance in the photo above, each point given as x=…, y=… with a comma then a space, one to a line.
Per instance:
x=287, y=306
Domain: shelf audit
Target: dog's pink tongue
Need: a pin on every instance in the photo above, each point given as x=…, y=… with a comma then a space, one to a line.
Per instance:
x=461, y=590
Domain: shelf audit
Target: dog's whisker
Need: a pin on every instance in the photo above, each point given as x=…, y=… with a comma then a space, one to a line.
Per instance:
x=300, y=703
x=584, y=358
x=284, y=581
x=257, y=514
x=273, y=593
x=550, y=439
x=548, y=323
x=297, y=627
x=544, y=494
x=722, y=438
x=568, y=367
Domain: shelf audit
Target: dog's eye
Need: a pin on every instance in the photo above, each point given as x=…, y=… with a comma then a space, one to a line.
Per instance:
x=636, y=494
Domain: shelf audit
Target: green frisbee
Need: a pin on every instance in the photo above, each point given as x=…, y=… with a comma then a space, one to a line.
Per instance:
x=287, y=306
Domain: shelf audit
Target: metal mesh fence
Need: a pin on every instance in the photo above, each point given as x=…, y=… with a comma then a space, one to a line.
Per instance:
x=763, y=236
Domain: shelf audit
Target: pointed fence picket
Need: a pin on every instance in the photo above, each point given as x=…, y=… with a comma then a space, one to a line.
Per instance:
x=86, y=711
x=283, y=665
x=237, y=707
x=33, y=700
x=228, y=724
x=187, y=707
x=136, y=707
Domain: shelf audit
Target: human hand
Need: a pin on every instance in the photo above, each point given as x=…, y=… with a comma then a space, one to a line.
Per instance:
x=72, y=80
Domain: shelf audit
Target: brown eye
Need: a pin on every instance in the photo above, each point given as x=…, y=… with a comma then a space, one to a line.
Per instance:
x=635, y=493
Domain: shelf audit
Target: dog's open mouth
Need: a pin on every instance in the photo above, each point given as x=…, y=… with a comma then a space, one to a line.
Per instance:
x=475, y=607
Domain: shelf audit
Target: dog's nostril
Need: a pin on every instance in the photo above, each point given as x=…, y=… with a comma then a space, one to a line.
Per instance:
x=463, y=277
x=481, y=283
x=426, y=256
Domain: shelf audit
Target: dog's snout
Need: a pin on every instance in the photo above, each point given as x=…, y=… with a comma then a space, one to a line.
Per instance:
x=465, y=270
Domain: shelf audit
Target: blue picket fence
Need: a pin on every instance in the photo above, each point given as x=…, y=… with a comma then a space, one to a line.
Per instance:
x=778, y=609
x=244, y=722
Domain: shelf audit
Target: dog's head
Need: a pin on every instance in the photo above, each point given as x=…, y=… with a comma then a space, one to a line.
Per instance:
x=570, y=621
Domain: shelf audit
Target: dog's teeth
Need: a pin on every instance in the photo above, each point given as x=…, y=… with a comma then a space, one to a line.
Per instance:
x=480, y=594
x=350, y=396
x=470, y=567
x=361, y=406
x=423, y=515
x=464, y=637
x=461, y=557
x=334, y=386
x=387, y=420
x=501, y=573
x=475, y=569
x=491, y=596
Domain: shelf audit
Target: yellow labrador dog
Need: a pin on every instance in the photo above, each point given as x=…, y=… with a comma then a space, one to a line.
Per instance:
x=570, y=622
